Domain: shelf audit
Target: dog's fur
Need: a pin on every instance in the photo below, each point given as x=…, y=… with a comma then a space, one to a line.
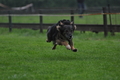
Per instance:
x=61, y=34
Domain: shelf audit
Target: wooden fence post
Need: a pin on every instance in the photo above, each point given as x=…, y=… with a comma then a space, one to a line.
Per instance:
x=105, y=22
x=72, y=17
x=10, y=21
x=41, y=21
x=111, y=28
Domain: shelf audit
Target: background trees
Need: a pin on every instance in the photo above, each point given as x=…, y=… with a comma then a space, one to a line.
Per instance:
x=59, y=3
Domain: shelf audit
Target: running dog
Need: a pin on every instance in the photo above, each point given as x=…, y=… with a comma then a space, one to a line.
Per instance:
x=61, y=34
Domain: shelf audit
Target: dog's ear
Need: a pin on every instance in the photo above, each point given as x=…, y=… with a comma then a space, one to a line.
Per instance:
x=58, y=27
x=71, y=23
x=61, y=23
x=74, y=26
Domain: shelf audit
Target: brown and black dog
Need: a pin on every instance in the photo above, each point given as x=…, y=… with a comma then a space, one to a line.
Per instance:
x=61, y=34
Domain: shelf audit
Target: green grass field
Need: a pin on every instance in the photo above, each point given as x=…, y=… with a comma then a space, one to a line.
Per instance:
x=91, y=19
x=25, y=55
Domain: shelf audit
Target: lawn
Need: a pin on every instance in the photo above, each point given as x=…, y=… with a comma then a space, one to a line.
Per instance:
x=25, y=55
x=87, y=19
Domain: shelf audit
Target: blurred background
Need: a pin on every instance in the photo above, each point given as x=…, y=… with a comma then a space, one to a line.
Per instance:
x=59, y=3
x=29, y=11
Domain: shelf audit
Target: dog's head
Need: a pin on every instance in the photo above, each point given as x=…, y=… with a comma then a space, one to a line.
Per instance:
x=66, y=28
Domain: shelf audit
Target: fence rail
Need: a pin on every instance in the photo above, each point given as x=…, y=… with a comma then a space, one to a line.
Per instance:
x=80, y=27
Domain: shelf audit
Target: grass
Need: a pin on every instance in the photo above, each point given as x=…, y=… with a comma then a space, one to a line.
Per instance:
x=24, y=55
x=90, y=19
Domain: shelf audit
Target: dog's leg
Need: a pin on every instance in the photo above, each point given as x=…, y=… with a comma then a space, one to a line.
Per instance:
x=54, y=47
x=55, y=44
x=72, y=46
x=66, y=44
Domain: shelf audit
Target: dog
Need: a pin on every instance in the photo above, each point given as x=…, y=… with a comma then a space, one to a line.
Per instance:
x=61, y=34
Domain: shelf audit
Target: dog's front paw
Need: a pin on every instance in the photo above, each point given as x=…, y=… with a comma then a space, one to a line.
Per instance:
x=74, y=50
x=53, y=48
x=68, y=47
x=48, y=40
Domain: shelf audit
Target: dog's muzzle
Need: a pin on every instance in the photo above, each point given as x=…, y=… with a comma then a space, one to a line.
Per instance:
x=69, y=36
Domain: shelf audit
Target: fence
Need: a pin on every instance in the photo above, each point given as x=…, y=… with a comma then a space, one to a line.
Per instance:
x=42, y=13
